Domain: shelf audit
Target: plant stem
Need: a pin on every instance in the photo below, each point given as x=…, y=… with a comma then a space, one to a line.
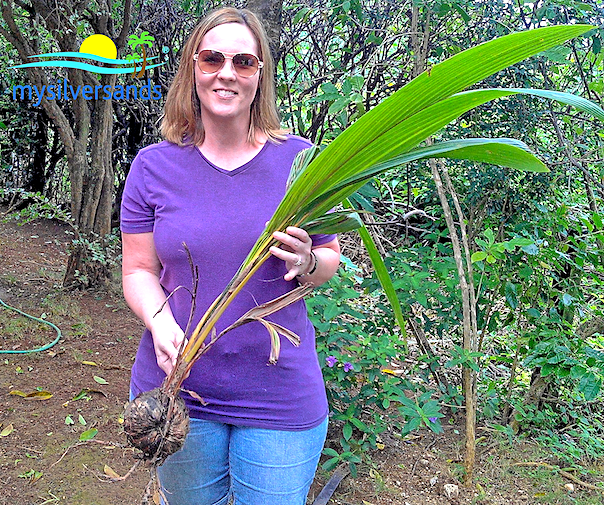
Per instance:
x=468, y=376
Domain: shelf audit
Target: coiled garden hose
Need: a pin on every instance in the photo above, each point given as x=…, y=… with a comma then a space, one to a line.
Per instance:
x=37, y=319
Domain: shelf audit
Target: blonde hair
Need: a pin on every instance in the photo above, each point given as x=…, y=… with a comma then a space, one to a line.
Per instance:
x=182, y=123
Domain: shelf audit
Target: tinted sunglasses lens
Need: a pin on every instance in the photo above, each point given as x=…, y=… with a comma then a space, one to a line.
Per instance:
x=210, y=61
x=246, y=65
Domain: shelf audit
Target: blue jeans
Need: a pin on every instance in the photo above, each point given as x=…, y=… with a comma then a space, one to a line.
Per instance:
x=255, y=466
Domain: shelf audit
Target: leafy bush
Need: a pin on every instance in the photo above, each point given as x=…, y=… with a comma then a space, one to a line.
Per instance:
x=358, y=346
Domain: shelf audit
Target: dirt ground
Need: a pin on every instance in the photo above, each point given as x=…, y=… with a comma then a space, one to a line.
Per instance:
x=42, y=461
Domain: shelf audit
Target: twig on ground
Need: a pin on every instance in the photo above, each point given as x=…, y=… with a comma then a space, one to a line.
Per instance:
x=568, y=475
x=434, y=440
x=85, y=442
x=413, y=468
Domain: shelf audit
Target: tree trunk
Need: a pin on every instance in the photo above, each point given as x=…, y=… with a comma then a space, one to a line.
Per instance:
x=419, y=41
x=269, y=11
x=92, y=196
x=36, y=174
x=466, y=286
x=85, y=129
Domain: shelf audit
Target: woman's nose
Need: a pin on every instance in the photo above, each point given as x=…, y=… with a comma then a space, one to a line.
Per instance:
x=227, y=71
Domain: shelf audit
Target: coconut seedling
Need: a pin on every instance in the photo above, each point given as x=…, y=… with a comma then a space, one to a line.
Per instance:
x=386, y=137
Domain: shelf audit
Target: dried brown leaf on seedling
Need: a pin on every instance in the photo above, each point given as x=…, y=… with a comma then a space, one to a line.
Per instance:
x=290, y=335
x=266, y=309
x=195, y=395
x=100, y=380
x=275, y=342
x=110, y=472
x=34, y=395
x=7, y=430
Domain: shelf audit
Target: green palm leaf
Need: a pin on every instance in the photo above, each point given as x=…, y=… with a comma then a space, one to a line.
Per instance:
x=319, y=178
x=385, y=136
x=383, y=276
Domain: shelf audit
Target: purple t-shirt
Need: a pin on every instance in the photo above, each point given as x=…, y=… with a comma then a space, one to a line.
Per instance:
x=177, y=194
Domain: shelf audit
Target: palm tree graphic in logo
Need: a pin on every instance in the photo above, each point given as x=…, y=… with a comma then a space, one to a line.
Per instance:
x=141, y=41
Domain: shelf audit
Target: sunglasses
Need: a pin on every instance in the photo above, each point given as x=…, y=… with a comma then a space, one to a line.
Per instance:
x=210, y=62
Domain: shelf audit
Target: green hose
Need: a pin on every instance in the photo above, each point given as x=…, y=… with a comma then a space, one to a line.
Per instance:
x=39, y=349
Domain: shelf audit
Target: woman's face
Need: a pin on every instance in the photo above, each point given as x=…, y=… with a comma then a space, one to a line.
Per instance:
x=225, y=95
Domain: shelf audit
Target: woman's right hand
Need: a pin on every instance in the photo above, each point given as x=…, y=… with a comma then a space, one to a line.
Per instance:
x=167, y=337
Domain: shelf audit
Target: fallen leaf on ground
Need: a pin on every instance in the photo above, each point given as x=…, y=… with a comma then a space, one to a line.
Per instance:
x=100, y=380
x=7, y=431
x=111, y=472
x=32, y=475
x=83, y=393
x=91, y=363
x=34, y=395
x=88, y=434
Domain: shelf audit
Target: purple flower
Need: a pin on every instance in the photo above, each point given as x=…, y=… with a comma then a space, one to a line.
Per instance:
x=348, y=367
x=433, y=419
x=331, y=361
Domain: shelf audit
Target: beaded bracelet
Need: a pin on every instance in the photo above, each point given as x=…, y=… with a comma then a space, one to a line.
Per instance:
x=312, y=270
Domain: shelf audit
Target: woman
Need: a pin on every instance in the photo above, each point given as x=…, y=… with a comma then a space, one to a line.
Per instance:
x=213, y=184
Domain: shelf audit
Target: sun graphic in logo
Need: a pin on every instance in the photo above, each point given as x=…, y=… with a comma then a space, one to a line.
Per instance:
x=99, y=45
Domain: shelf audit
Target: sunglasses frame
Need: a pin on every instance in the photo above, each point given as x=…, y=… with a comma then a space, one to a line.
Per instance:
x=228, y=56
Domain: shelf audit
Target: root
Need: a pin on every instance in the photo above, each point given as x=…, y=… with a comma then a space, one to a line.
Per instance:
x=153, y=491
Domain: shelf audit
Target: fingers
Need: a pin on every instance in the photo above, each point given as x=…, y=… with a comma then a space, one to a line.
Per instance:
x=295, y=250
x=295, y=238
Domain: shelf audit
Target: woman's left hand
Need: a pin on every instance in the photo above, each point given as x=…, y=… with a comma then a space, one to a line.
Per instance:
x=295, y=251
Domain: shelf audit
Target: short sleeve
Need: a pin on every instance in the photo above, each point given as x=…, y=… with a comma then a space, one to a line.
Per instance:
x=318, y=240
x=137, y=214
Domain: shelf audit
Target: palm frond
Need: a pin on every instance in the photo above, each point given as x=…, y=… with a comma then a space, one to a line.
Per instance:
x=387, y=136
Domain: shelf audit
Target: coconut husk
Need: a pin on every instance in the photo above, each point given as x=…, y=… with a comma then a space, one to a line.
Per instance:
x=156, y=424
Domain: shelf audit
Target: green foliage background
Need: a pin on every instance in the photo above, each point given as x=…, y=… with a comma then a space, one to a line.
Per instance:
x=537, y=239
